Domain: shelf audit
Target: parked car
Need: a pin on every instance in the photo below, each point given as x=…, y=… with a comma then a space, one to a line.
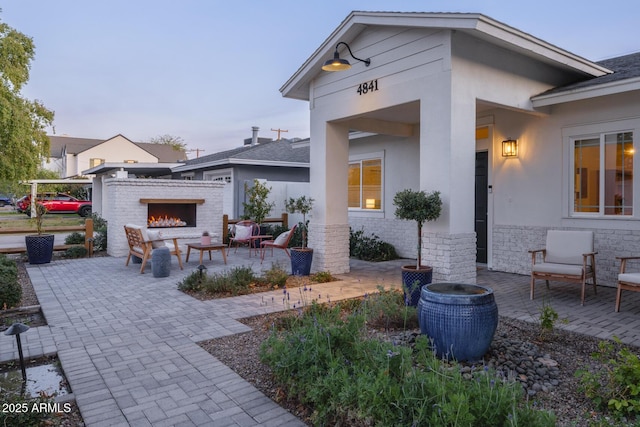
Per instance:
x=5, y=200
x=56, y=203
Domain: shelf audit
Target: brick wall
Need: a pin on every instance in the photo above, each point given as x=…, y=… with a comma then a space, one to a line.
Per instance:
x=401, y=234
x=122, y=206
x=511, y=243
x=330, y=245
x=452, y=256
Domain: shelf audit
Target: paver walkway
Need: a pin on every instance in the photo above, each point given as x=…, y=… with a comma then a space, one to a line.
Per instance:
x=127, y=341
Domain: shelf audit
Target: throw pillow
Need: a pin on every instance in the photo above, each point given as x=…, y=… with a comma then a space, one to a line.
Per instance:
x=156, y=238
x=282, y=238
x=243, y=232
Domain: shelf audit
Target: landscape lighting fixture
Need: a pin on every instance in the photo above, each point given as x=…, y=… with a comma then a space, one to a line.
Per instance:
x=337, y=64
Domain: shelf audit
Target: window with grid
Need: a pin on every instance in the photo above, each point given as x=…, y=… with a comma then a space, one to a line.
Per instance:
x=603, y=174
x=95, y=162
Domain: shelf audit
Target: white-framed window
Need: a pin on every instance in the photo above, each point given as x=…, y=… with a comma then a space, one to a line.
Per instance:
x=95, y=162
x=365, y=182
x=602, y=174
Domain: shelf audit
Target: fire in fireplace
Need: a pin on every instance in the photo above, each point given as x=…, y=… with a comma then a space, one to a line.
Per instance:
x=162, y=215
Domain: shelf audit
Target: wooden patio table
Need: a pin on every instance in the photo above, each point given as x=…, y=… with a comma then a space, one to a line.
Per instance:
x=213, y=246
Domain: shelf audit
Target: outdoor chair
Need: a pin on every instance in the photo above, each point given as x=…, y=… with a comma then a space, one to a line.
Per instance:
x=626, y=281
x=567, y=257
x=243, y=232
x=142, y=242
x=280, y=242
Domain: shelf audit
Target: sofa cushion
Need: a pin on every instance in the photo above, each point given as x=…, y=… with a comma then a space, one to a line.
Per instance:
x=562, y=269
x=633, y=278
x=567, y=246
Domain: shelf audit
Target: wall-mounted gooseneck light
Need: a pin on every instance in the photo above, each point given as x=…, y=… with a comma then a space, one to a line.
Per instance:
x=510, y=148
x=338, y=64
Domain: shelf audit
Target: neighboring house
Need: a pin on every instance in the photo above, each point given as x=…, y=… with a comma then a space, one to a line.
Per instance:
x=445, y=100
x=281, y=161
x=70, y=157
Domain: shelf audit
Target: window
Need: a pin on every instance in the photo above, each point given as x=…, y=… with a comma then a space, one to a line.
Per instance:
x=365, y=184
x=603, y=174
x=95, y=162
x=131, y=161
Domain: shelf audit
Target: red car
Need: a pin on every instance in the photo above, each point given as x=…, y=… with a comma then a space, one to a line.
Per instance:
x=56, y=203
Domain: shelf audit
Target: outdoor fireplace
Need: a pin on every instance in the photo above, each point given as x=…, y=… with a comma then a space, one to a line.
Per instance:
x=167, y=213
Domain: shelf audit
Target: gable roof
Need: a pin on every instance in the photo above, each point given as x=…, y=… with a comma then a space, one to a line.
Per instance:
x=164, y=152
x=475, y=24
x=271, y=153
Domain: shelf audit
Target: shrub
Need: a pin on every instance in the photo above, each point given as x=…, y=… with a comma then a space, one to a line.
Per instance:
x=10, y=289
x=74, y=238
x=276, y=276
x=322, y=277
x=325, y=359
x=99, y=232
x=370, y=248
x=616, y=386
x=76, y=252
x=386, y=309
x=191, y=283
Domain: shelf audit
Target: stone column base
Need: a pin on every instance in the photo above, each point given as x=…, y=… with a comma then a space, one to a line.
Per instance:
x=452, y=256
x=330, y=243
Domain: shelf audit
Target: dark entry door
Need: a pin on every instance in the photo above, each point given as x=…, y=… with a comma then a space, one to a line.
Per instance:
x=482, y=182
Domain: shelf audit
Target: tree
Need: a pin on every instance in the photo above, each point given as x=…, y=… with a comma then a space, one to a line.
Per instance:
x=23, y=139
x=174, y=141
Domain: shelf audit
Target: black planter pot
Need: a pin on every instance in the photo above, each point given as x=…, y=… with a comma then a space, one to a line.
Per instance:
x=412, y=282
x=301, y=259
x=39, y=248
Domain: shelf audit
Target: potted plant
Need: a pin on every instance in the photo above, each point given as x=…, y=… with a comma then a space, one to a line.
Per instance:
x=301, y=257
x=420, y=207
x=40, y=245
x=205, y=239
x=257, y=207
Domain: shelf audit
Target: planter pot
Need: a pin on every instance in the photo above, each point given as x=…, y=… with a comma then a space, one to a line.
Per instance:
x=301, y=259
x=39, y=248
x=412, y=282
x=459, y=319
x=205, y=240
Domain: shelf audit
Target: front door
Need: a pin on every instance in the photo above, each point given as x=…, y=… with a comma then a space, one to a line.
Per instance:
x=482, y=182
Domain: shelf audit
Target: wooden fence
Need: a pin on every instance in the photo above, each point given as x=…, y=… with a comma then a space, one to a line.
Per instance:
x=87, y=228
x=284, y=220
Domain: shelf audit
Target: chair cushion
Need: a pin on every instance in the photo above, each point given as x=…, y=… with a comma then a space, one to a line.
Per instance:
x=567, y=246
x=155, y=236
x=633, y=278
x=243, y=232
x=563, y=269
x=282, y=238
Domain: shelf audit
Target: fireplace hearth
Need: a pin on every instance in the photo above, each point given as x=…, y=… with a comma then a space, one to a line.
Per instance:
x=167, y=213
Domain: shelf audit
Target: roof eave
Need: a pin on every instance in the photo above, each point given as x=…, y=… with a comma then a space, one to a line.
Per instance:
x=583, y=93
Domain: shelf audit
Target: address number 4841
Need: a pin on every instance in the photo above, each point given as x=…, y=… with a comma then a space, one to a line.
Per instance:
x=366, y=87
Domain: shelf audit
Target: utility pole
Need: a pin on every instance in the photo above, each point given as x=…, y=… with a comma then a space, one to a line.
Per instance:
x=197, y=151
x=279, y=131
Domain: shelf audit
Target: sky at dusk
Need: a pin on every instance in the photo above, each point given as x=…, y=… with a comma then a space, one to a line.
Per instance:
x=207, y=70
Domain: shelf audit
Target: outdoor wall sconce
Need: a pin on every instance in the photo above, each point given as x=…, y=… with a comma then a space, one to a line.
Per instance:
x=510, y=148
x=337, y=64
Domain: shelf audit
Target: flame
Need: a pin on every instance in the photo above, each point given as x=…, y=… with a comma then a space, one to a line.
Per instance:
x=165, y=221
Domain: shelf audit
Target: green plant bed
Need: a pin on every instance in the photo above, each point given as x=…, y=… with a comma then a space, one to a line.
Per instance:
x=324, y=356
x=243, y=281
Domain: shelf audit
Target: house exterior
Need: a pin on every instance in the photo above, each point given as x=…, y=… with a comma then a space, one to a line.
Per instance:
x=71, y=156
x=443, y=95
x=283, y=161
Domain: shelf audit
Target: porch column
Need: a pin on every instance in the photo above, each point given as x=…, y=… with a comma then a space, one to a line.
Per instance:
x=447, y=164
x=329, y=222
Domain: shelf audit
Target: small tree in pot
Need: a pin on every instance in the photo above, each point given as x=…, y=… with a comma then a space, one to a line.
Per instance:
x=40, y=245
x=301, y=258
x=257, y=208
x=420, y=207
